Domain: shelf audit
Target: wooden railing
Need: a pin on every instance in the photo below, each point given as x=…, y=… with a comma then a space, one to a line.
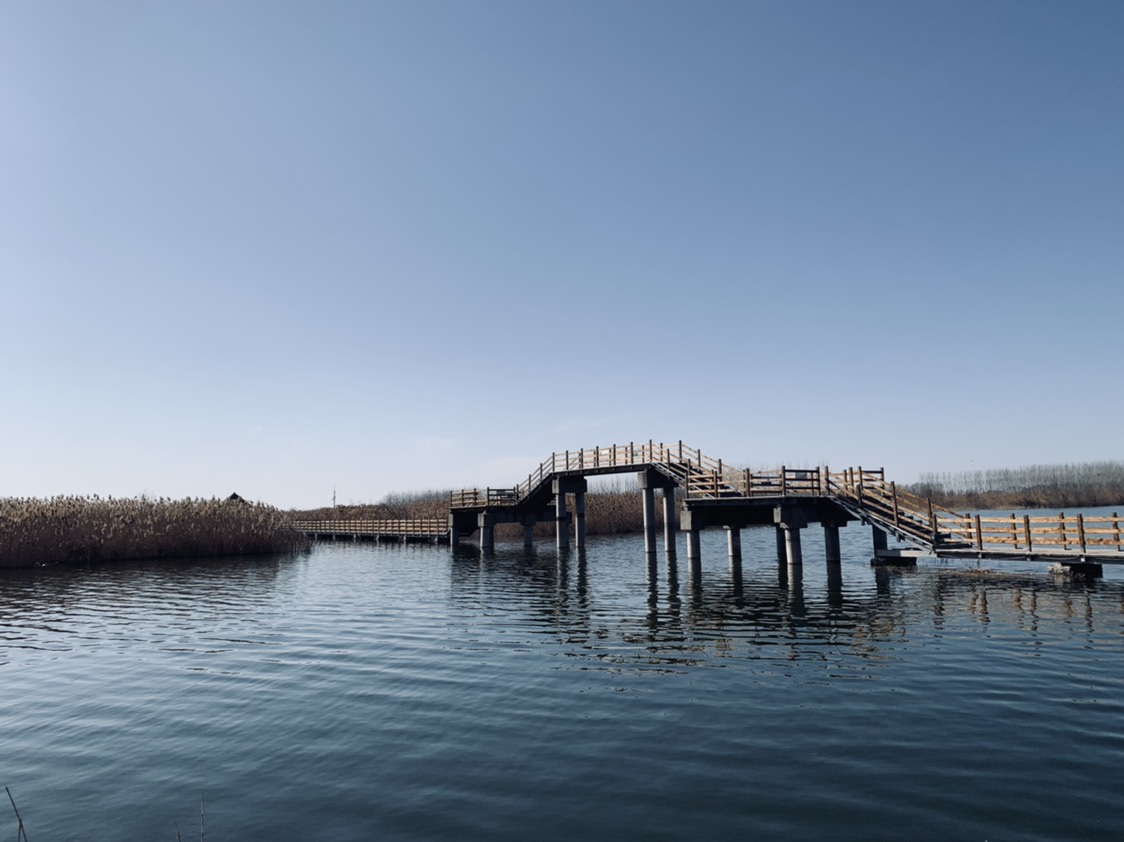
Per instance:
x=388, y=526
x=1078, y=532
x=699, y=475
x=470, y=498
x=906, y=512
x=945, y=529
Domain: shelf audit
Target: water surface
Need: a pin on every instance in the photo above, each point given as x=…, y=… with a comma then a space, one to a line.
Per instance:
x=392, y=692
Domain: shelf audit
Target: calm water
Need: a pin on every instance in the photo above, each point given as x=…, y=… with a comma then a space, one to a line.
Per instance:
x=389, y=692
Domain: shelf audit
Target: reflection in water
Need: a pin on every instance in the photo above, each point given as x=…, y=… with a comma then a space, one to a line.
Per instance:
x=735, y=610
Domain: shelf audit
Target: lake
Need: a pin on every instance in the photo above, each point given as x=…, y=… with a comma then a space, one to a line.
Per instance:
x=418, y=693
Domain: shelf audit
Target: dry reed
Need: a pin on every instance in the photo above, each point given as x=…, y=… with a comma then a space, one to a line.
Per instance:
x=58, y=530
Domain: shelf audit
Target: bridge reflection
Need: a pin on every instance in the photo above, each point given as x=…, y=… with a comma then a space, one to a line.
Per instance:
x=658, y=612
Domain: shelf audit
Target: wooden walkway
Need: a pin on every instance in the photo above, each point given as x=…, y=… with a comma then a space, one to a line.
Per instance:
x=700, y=492
x=435, y=530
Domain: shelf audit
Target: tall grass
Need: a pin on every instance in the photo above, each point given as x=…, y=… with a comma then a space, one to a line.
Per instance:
x=1028, y=487
x=39, y=532
x=418, y=504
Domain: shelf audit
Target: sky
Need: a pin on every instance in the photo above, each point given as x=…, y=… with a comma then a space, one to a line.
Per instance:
x=291, y=249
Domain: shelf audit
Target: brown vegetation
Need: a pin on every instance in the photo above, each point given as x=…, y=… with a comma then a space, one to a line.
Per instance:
x=422, y=504
x=1029, y=487
x=88, y=529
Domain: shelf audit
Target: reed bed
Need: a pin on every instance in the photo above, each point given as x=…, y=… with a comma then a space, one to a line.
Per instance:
x=421, y=504
x=1029, y=487
x=59, y=530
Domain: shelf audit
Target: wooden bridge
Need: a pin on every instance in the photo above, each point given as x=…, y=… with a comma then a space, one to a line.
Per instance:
x=711, y=493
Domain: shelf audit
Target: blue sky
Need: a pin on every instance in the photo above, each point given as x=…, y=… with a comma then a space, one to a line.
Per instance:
x=279, y=247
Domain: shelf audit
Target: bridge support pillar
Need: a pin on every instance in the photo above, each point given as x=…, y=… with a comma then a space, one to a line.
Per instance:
x=880, y=539
x=487, y=524
x=454, y=533
x=649, y=481
x=649, y=497
x=791, y=521
x=734, y=542
x=693, y=550
x=793, y=552
x=831, y=543
x=561, y=487
x=782, y=553
x=562, y=524
x=529, y=532
x=669, y=521
x=579, y=519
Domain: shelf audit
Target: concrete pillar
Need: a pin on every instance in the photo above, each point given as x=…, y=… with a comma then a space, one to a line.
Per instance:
x=528, y=533
x=693, y=552
x=793, y=553
x=487, y=525
x=734, y=542
x=562, y=524
x=791, y=520
x=649, y=481
x=649, y=497
x=781, y=552
x=579, y=519
x=831, y=543
x=669, y=521
x=880, y=538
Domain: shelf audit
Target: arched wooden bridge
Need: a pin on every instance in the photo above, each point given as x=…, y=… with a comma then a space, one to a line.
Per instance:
x=700, y=492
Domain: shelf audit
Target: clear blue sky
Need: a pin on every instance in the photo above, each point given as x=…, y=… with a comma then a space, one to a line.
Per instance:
x=275, y=247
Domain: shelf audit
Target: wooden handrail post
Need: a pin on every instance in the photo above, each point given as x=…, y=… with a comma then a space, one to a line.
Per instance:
x=894, y=498
x=784, y=483
x=1026, y=533
x=1116, y=530
x=1014, y=533
x=1061, y=530
x=1081, y=530
x=979, y=534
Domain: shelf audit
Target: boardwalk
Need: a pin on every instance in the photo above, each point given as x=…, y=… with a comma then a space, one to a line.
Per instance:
x=699, y=492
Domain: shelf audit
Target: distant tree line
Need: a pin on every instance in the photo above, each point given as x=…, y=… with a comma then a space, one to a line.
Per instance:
x=1028, y=487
